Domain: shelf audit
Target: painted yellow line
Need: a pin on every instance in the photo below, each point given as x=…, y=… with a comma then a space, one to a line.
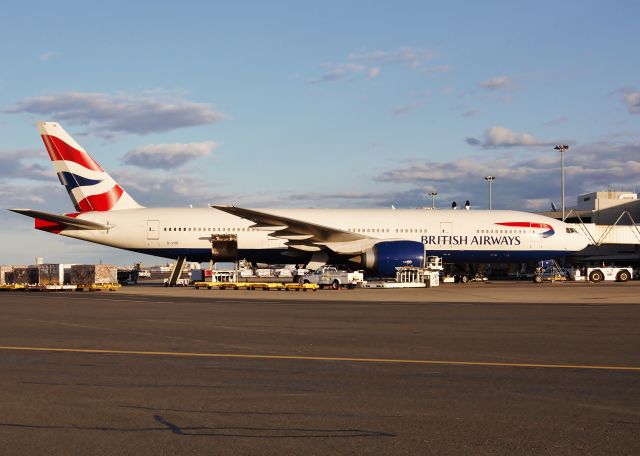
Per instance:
x=318, y=358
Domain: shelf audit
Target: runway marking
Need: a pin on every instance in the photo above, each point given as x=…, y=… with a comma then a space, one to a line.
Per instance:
x=320, y=358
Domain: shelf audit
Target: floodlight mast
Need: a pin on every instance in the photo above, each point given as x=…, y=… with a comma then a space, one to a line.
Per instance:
x=562, y=148
x=433, y=199
x=490, y=179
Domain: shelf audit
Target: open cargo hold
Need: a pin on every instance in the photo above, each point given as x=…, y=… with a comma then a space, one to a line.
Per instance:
x=85, y=274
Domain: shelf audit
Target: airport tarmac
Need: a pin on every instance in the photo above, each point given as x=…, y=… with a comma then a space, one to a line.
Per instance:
x=496, y=292
x=499, y=368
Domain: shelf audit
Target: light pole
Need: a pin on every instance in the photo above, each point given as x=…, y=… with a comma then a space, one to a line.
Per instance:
x=562, y=149
x=433, y=199
x=490, y=179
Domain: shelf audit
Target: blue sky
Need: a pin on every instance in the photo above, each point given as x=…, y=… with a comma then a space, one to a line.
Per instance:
x=324, y=104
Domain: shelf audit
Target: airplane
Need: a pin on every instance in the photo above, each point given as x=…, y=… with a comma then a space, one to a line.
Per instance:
x=377, y=240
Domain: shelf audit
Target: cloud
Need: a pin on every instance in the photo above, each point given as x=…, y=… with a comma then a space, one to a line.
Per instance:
x=159, y=188
x=370, y=64
x=122, y=113
x=14, y=164
x=49, y=196
x=410, y=56
x=373, y=72
x=337, y=71
x=168, y=156
x=496, y=83
x=530, y=182
x=406, y=108
x=439, y=69
x=46, y=56
x=537, y=204
x=470, y=112
x=417, y=101
x=632, y=100
x=501, y=137
x=346, y=71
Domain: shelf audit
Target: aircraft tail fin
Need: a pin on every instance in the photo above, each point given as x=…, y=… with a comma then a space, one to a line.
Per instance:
x=89, y=186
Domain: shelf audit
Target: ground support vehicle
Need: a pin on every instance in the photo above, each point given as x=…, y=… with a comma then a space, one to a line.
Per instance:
x=610, y=274
x=552, y=273
x=179, y=283
x=333, y=277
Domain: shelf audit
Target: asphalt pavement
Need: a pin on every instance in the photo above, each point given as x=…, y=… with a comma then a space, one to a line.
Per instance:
x=148, y=370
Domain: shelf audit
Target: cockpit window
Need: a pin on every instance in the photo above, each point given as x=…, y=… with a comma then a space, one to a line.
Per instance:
x=571, y=230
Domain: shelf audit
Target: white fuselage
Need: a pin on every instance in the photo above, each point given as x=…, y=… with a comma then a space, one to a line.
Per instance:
x=460, y=235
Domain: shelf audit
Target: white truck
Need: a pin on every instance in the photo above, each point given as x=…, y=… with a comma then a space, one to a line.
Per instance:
x=333, y=277
x=598, y=274
x=179, y=283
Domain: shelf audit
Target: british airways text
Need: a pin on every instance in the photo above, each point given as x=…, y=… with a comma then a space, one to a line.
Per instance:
x=471, y=240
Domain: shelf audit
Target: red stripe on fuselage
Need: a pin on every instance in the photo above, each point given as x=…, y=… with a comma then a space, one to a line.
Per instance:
x=527, y=225
x=102, y=202
x=60, y=150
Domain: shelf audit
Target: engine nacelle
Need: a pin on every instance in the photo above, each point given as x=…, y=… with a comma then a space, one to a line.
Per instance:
x=384, y=257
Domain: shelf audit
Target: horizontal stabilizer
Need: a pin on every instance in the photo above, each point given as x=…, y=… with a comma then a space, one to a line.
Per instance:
x=64, y=220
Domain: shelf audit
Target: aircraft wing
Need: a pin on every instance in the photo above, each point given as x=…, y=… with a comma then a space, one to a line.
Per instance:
x=64, y=220
x=298, y=232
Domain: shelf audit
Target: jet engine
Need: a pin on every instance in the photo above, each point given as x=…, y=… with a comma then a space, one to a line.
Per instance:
x=384, y=257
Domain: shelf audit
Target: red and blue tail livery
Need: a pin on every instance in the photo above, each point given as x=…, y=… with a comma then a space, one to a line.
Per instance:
x=88, y=185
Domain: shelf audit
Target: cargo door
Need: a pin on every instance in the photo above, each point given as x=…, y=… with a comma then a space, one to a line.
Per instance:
x=224, y=247
x=153, y=230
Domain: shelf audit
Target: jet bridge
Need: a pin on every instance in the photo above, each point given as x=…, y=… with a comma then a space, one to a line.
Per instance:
x=610, y=234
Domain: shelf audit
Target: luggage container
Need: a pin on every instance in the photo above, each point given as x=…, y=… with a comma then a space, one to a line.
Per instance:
x=86, y=274
x=54, y=274
x=6, y=274
x=25, y=275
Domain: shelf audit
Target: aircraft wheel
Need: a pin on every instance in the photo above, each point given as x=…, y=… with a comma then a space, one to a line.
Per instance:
x=596, y=276
x=622, y=276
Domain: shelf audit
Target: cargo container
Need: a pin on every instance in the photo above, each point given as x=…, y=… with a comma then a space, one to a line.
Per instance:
x=54, y=274
x=87, y=274
x=25, y=275
x=6, y=274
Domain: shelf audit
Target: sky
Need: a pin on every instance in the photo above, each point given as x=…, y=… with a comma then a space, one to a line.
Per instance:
x=316, y=104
